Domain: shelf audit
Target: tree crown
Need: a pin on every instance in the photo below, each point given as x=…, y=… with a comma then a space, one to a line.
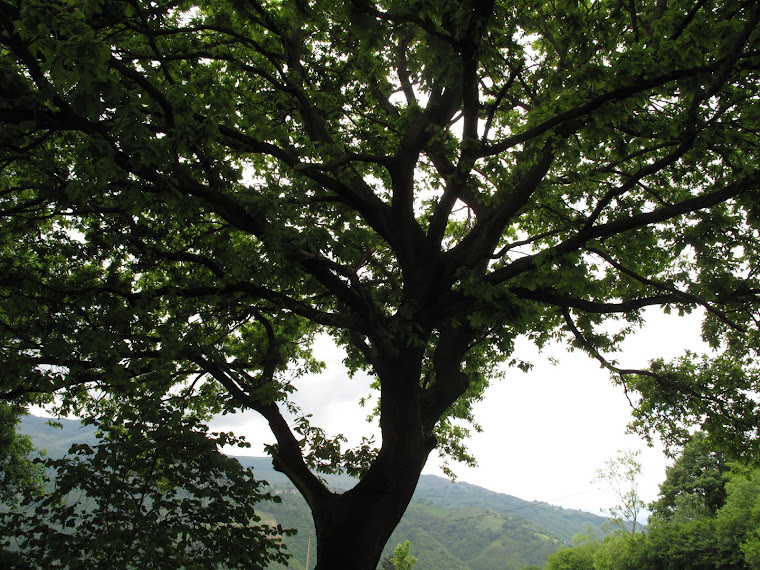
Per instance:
x=192, y=190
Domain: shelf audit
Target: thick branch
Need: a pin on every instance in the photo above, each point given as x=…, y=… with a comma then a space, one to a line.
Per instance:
x=450, y=381
x=685, y=296
x=481, y=241
x=558, y=299
x=287, y=456
x=639, y=85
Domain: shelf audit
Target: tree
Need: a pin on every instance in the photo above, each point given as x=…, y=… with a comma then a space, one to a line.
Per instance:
x=19, y=475
x=18, y=472
x=707, y=516
x=694, y=485
x=191, y=191
x=699, y=537
x=153, y=492
x=402, y=559
x=578, y=557
x=621, y=474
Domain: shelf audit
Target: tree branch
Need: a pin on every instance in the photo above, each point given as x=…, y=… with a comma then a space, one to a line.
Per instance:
x=685, y=296
x=287, y=456
x=627, y=224
x=552, y=297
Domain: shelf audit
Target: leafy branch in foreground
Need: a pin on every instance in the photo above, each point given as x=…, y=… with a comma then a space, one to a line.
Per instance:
x=18, y=473
x=154, y=491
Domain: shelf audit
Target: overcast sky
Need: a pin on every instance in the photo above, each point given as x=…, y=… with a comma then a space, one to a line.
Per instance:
x=545, y=432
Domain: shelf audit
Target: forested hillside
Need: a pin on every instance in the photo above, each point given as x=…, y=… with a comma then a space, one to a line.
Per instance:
x=450, y=525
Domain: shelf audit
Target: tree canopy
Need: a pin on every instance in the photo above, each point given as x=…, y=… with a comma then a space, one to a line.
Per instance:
x=192, y=190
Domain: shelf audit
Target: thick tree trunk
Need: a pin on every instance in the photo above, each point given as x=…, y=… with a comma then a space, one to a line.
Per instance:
x=353, y=528
x=354, y=531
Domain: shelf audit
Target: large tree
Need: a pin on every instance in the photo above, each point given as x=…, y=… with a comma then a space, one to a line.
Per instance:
x=695, y=485
x=192, y=190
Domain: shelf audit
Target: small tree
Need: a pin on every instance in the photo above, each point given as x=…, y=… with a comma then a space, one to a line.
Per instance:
x=621, y=475
x=402, y=559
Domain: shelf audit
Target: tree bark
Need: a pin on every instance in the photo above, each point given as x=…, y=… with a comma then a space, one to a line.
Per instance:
x=354, y=527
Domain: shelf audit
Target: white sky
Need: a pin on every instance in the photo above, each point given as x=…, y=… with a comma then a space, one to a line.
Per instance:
x=545, y=432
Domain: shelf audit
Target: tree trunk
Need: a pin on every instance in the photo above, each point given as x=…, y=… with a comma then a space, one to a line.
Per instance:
x=353, y=528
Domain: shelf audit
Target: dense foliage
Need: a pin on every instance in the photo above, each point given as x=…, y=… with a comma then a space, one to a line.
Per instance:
x=707, y=516
x=18, y=473
x=153, y=492
x=191, y=190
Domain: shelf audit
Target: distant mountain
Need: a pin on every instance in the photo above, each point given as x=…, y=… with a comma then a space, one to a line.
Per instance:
x=451, y=526
x=56, y=440
x=561, y=523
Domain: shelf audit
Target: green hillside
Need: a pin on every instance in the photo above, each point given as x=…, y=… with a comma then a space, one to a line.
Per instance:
x=450, y=525
x=559, y=522
x=56, y=441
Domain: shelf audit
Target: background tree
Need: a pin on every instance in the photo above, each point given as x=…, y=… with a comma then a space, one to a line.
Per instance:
x=621, y=475
x=191, y=191
x=706, y=517
x=578, y=557
x=699, y=538
x=694, y=485
x=18, y=472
